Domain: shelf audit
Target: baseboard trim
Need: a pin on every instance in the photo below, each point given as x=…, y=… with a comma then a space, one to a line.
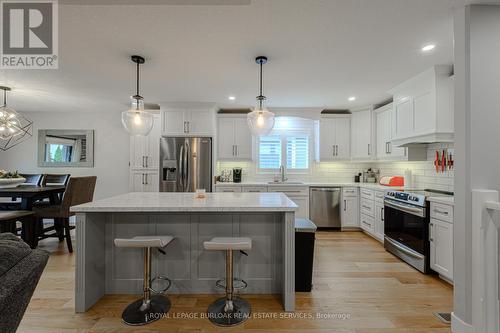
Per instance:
x=459, y=326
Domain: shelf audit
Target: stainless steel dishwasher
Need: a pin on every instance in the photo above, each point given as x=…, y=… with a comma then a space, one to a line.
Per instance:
x=324, y=206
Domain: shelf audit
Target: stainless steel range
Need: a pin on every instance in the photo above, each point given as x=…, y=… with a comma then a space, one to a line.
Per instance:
x=406, y=227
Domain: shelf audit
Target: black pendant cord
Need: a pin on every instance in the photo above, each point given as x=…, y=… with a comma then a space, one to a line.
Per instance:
x=137, y=88
x=260, y=95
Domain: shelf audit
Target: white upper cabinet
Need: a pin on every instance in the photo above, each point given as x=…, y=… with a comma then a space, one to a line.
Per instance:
x=361, y=129
x=234, y=140
x=188, y=122
x=145, y=150
x=423, y=108
x=384, y=129
x=334, y=137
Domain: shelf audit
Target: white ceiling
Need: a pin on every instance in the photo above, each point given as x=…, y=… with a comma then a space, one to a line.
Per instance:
x=320, y=52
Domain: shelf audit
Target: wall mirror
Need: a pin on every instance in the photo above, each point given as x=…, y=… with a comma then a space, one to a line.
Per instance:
x=65, y=148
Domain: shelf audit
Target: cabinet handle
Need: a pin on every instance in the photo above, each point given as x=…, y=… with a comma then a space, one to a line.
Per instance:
x=390, y=147
x=345, y=205
x=184, y=127
x=336, y=150
x=382, y=214
x=147, y=162
x=236, y=150
x=333, y=150
x=188, y=125
x=142, y=180
x=440, y=211
x=431, y=239
x=368, y=149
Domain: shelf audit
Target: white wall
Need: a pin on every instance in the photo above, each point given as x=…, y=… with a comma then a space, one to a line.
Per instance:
x=477, y=123
x=111, y=150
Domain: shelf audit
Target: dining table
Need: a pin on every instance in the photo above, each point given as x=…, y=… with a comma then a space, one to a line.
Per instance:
x=29, y=194
x=32, y=193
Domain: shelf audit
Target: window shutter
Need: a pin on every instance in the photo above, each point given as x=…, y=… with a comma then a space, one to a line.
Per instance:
x=297, y=152
x=269, y=152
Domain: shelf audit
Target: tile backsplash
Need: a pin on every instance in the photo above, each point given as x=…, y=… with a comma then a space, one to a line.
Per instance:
x=423, y=172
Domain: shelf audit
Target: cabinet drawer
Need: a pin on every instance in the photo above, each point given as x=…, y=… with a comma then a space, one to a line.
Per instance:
x=367, y=223
x=367, y=207
x=442, y=212
x=367, y=194
x=289, y=190
x=228, y=189
x=350, y=191
x=254, y=188
x=379, y=196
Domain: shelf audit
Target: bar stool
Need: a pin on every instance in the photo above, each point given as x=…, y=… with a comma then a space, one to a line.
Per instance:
x=149, y=308
x=229, y=310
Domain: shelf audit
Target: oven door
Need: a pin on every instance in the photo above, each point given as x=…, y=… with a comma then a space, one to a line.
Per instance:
x=406, y=224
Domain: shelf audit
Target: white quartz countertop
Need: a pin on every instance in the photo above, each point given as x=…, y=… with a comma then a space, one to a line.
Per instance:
x=374, y=186
x=186, y=202
x=447, y=200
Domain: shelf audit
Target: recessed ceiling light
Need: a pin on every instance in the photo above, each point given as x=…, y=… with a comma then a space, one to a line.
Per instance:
x=428, y=47
x=231, y=98
x=352, y=98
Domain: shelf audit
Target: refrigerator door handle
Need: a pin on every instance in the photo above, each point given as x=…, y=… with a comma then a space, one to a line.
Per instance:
x=187, y=154
x=181, y=167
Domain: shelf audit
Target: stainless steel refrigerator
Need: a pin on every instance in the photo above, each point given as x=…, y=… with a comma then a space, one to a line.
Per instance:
x=185, y=164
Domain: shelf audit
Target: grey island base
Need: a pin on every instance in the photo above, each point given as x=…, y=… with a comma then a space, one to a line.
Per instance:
x=267, y=218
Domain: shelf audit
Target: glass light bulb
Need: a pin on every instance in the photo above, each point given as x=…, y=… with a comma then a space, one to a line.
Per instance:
x=137, y=119
x=260, y=120
x=2, y=128
x=11, y=130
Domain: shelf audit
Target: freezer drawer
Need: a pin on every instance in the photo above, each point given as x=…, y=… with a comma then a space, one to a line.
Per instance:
x=324, y=206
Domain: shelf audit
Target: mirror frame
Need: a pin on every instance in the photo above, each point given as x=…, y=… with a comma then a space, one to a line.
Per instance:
x=89, y=134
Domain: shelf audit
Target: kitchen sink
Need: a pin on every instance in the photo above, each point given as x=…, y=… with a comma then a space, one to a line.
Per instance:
x=286, y=183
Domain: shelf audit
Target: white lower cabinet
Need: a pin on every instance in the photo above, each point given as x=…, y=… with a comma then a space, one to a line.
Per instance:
x=298, y=194
x=233, y=189
x=441, y=246
x=350, y=212
x=378, y=228
x=254, y=189
x=144, y=181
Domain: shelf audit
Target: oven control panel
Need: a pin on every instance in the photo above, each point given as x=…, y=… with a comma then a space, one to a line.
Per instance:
x=411, y=198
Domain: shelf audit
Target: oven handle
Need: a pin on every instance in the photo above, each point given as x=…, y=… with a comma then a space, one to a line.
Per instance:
x=404, y=248
x=405, y=208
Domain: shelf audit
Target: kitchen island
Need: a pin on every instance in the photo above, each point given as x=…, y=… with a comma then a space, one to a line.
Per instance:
x=267, y=218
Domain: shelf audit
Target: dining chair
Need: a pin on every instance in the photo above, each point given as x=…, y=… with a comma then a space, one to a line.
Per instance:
x=55, y=179
x=79, y=190
x=32, y=179
x=51, y=180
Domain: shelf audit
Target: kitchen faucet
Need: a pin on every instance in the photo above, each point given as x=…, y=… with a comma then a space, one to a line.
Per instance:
x=283, y=173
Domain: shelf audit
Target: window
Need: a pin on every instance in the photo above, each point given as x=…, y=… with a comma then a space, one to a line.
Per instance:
x=286, y=149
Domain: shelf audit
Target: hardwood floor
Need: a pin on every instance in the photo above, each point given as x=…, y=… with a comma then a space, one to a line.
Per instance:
x=358, y=287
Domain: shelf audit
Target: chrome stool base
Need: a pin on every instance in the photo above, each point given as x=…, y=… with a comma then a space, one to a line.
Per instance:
x=219, y=316
x=140, y=313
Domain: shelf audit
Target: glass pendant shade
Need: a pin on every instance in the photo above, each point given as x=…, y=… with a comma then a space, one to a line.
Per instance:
x=260, y=121
x=14, y=128
x=137, y=122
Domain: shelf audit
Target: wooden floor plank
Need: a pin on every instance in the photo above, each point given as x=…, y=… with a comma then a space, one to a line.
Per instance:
x=358, y=288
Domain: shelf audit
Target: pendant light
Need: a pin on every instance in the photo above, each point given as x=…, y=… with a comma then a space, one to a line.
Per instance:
x=135, y=120
x=14, y=127
x=260, y=120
